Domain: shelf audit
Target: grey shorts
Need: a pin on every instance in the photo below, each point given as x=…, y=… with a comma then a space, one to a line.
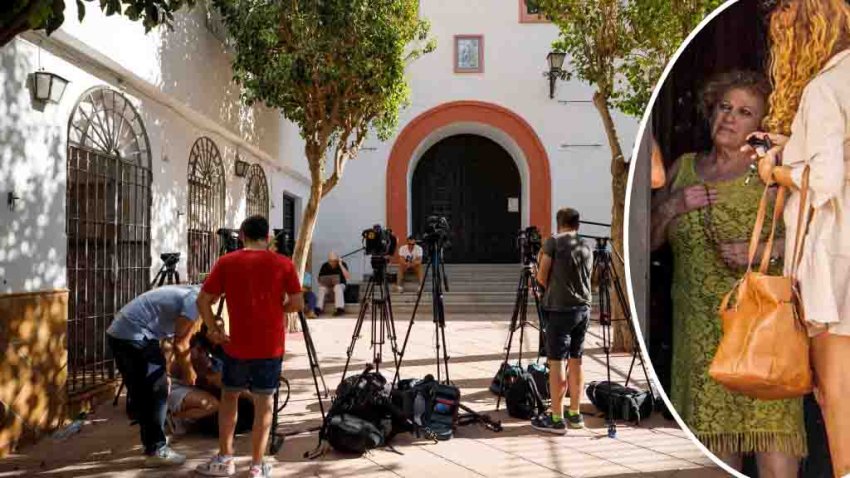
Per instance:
x=176, y=396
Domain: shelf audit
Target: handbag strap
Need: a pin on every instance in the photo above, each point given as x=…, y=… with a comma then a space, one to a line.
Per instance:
x=778, y=207
x=759, y=225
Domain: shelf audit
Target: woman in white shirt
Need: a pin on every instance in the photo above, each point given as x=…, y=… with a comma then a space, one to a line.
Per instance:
x=810, y=67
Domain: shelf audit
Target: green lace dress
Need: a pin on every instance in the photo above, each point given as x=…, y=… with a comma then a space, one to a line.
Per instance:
x=725, y=422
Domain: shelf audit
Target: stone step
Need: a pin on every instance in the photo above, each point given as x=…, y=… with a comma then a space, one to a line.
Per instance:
x=403, y=311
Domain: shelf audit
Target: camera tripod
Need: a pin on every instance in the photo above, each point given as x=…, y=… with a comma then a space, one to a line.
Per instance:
x=168, y=272
x=436, y=267
x=608, y=276
x=376, y=299
x=519, y=317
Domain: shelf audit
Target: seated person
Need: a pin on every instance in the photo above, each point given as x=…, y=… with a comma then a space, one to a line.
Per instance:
x=310, y=299
x=333, y=268
x=409, y=258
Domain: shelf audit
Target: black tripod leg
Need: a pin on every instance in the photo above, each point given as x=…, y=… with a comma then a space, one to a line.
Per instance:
x=359, y=324
x=410, y=325
x=313, y=359
x=391, y=323
x=511, y=330
x=275, y=439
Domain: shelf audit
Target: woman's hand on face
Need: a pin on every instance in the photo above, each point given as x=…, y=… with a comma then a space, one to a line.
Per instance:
x=696, y=197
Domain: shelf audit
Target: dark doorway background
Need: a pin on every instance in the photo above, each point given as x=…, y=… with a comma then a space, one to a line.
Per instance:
x=469, y=179
x=735, y=39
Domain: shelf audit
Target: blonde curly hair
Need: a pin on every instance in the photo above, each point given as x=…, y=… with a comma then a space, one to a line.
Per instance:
x=804, y=35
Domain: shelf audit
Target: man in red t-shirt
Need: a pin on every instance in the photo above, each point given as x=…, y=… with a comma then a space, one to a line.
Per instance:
x=259, y=286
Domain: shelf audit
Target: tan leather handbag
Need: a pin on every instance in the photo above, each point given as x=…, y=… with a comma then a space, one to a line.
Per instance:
x=764, y=352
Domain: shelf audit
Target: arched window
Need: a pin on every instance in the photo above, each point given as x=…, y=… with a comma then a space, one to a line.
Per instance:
x=206, y=206
x=107, y=226
x=257, y=192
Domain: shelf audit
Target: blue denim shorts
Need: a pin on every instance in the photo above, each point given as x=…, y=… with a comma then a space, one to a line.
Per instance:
x=260, y=376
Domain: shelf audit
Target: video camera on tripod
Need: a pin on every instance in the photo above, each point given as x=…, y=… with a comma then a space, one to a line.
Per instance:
x=378, y=241
x=436, y=232
x=529, y=242
x=229, y=240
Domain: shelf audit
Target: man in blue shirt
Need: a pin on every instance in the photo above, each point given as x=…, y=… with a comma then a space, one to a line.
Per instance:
x=165, y=313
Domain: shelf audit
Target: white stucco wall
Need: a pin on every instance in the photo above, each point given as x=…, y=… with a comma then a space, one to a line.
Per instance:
x=187, y=68
x=514, y=62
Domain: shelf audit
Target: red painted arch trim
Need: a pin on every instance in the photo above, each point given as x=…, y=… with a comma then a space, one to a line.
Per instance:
x=401, y=157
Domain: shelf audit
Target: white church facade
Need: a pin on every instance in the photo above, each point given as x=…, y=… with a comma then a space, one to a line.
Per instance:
x=140, y=157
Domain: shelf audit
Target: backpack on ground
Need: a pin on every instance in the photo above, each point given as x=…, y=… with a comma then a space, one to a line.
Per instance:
x=523, y=399
x=352, y=434
x=361, y=415
x=540, y=374
x=628, y=404
x=427, y=407
x=504, y=378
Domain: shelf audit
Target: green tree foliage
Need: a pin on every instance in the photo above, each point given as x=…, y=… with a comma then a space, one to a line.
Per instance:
x=621, y=47
x=22, y=15
x=333, y=67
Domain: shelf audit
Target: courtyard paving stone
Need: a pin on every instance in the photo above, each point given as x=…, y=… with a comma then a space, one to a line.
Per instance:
x=108, y=447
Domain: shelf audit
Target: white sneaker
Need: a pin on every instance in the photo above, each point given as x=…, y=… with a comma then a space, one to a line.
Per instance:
x=165, y=456
x=217, y=466
x=263, y=470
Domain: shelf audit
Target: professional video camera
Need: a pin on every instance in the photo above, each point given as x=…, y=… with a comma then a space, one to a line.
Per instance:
x=229, y=240
x=170, y=259
x=378, y=241
x=529, y=242
x=436, y=231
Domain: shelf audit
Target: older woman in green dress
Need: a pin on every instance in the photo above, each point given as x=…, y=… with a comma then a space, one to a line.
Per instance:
x=706, y=213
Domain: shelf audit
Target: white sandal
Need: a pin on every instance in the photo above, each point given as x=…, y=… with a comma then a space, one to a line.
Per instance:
x=217, y=466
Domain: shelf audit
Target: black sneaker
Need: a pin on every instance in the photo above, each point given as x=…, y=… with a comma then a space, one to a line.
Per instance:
x=339, y=312
x=545, y=423
x=576, y=422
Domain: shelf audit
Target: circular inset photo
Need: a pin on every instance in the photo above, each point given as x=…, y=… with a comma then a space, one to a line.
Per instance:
x=740, y=217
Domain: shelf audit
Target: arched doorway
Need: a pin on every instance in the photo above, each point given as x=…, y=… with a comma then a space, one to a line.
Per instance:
x=206, y=206
x=107, y=225
x=505, y=127
x=475, y=184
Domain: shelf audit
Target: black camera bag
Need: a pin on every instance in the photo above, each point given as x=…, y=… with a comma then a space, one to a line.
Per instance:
x=504, y=378
x=429, y=408
x=523, y=399
x=361, y=415
x=540, y=374
x=628, y=404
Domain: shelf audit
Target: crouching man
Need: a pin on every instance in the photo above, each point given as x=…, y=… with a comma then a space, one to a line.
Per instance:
x=134, y=337
x=259, y=287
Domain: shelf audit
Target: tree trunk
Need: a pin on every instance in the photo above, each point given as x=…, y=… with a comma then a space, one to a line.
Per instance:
x=305, y=233
x=622, y=337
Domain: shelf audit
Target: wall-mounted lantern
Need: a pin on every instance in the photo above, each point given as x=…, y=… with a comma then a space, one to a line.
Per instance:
x=49, y=87
x=556, y=70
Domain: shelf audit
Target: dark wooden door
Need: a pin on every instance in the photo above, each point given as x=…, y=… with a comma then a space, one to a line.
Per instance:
x=470, y=180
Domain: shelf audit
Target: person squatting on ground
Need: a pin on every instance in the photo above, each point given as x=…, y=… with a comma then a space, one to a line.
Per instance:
x=259, y=286
x=810, y=66
x=338, y=268
x=409, y=258
x=134, y=336
x=566, y=264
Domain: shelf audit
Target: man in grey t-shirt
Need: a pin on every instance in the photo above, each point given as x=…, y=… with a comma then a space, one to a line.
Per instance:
x=165, y=313
x=565, y=267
